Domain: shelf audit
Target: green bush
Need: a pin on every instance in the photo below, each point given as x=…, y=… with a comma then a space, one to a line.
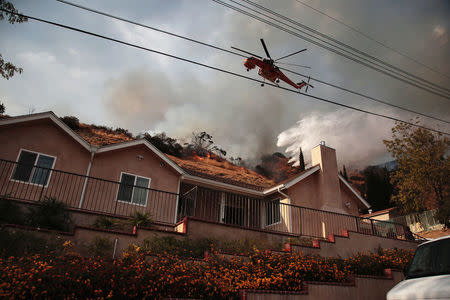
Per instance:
x=104, y=222
x=50, y=214
x=303, y=240
x=181, y=247
x=246, y=246
x=140, y=219
x=101, y=247
x=10, y=212
x=71, y=121
x=196, y=247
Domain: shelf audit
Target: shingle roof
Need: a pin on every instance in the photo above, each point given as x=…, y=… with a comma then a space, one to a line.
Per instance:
x=210, y=168
x=223, y=171
x=98, y=136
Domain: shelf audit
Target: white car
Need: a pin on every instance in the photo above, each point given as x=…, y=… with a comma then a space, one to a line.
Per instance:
x=428, y=276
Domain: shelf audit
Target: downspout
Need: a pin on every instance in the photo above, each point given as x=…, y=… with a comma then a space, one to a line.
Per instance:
x=290, y=208
x=88, y=172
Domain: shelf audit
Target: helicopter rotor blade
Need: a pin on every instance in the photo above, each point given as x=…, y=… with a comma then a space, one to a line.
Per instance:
x=291, y=54
x=252, y=54
x=289, y=64
x=265, y=48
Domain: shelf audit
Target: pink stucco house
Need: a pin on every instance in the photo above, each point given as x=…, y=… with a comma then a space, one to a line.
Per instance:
x=40, y=156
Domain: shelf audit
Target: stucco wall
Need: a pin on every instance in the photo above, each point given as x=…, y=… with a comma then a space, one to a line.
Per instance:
x=44, y=137
x=362, y=288
x=306, y=192
x=329, y=181
x=347, y=196
x=355, y=243
x=109, y=165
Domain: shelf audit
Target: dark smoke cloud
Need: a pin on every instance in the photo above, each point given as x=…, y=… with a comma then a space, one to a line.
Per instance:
x=125, y=87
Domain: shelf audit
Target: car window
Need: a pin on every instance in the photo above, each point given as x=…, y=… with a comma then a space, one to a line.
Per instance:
x=431, y=259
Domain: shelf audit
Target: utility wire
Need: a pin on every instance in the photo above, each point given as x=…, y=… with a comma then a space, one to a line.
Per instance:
x=337, y=42
x=217, y=69
x=420, y=86
x=372, y=39
x=238, y=54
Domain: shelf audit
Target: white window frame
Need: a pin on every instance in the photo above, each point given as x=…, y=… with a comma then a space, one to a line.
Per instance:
x=266, y=212
x=134, y=186
x=34, y=168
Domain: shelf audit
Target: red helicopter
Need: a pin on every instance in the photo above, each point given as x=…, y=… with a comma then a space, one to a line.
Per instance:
x=268, y=70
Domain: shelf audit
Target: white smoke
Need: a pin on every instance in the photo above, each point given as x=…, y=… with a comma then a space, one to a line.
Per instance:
x=357, y=138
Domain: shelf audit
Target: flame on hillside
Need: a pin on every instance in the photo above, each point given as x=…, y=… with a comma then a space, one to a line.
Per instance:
x=196, y=156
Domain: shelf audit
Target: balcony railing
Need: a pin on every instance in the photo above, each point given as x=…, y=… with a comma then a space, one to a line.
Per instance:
x=92, y=194
x=33, y=183
x=278, y=216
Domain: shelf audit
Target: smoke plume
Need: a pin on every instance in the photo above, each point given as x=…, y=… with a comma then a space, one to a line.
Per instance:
x=356, y=137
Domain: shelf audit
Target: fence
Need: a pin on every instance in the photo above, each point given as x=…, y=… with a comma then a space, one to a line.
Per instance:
x=33, y=183
x=419, y=222
x=278, y=215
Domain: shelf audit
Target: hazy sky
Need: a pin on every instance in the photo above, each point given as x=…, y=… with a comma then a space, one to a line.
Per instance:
x=110, y=84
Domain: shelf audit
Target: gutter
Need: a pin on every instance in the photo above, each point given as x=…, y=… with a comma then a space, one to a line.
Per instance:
x=226, y=186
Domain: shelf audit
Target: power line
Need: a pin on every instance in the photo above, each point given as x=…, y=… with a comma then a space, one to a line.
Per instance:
x=421, y=80
x=369, y=97
x=372, y=39
x=337, y=42
x=412, y=82
x=217, y=69
x=238, y=54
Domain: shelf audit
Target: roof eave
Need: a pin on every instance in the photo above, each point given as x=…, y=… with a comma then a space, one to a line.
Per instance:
x=223, y=185
x=148, y=145
x=50, y=115
x=353, y=191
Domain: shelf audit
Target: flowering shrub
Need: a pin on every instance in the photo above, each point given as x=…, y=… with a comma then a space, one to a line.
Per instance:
x=72, y=276
x=375, y=263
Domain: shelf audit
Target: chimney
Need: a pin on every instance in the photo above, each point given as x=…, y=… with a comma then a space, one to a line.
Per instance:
x=329, y=188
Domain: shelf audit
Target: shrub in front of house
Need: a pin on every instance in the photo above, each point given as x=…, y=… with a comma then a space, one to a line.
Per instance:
x=101, y=247
x=375, y=263
x=169, y=245
x=50, y=214
x=104, y=222
x=245, y=246
x=10, y=212
x=73, y=276
x=140, y=219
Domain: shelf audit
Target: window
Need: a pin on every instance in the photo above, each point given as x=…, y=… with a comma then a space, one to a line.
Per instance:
x=273, y=212
x=133, y=189
x=33, y=167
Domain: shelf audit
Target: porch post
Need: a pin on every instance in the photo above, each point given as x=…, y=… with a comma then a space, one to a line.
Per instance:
x=178, y=200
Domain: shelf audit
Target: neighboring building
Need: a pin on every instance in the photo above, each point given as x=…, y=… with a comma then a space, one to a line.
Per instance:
x=416, y=222
x=383, y=215
x=41, y=157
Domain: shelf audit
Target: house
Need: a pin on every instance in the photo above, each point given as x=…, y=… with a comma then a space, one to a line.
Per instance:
x=42, y=157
